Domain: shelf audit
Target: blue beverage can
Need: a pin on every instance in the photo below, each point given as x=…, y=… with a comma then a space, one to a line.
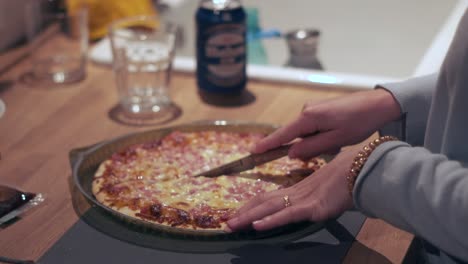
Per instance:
x=221, y=46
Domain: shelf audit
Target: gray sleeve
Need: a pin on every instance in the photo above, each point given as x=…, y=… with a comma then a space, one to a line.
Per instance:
x=418, y=191
x=414, y=97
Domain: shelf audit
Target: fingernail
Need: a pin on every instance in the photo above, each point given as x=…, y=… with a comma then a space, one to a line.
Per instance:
x=253, y=149
x=231, y=222
x=257, y=222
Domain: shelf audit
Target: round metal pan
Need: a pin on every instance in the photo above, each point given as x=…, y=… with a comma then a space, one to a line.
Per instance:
x=85, y=161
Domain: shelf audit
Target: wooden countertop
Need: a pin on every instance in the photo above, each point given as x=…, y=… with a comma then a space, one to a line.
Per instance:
x=41, y=125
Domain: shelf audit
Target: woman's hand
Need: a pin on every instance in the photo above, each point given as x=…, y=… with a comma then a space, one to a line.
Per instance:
x=323, y=127
x=327, y=126
x=321, y=196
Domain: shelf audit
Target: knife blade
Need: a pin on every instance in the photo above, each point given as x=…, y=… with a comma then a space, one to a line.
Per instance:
x=247, y=163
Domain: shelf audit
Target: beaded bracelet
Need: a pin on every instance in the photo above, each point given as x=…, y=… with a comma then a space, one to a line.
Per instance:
x=361, y=159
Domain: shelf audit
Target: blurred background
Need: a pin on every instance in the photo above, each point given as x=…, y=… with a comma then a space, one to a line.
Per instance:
x=381, y=39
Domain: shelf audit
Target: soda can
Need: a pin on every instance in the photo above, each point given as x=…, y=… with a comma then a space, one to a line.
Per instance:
x=221, y=46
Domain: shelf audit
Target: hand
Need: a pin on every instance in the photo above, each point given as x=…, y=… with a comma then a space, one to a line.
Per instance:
x=327, y=126
x=321, y=196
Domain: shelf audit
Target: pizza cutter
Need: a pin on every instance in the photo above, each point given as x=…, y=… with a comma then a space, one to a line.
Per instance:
x=247, y=163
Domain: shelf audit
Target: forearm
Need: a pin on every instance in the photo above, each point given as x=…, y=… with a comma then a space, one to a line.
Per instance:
x=418, y=191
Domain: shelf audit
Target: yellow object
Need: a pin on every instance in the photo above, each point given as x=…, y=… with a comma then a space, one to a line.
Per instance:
x=103, y=12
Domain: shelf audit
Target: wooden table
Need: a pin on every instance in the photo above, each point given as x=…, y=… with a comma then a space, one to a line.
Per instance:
x=42, y=124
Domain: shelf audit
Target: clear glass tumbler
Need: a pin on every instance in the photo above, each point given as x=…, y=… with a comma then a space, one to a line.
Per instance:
x=58, y=43
x=143, y=52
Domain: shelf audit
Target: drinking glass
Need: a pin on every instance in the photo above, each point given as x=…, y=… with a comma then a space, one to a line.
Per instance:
x=143, y=52
x=58, y=43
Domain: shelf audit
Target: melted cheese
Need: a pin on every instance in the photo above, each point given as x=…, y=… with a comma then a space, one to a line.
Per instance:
x=163, y=172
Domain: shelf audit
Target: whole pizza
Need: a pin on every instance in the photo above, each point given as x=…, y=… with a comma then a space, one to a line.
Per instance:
x=155, y=181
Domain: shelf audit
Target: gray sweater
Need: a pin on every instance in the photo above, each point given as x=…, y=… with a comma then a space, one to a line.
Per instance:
x=420, y=184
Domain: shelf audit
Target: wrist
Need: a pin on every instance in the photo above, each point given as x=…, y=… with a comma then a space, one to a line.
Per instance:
x=361, y=158
x=388, y=106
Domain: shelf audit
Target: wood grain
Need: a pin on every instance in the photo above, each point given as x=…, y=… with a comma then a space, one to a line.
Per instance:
x=43, y=123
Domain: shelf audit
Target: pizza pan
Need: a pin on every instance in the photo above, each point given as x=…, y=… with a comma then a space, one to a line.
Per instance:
x=85, y=161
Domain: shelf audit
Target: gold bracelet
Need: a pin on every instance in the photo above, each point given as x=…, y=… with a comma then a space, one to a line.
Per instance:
x=361, y=159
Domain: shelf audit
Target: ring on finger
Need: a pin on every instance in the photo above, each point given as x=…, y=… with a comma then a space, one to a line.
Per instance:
x=286, y=201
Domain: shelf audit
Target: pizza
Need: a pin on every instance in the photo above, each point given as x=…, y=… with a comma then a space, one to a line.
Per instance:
x=154, y=181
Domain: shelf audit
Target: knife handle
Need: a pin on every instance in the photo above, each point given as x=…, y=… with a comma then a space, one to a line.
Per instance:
x=272, y=154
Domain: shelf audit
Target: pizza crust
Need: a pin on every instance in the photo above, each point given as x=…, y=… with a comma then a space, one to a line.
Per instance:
x=98, y=181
